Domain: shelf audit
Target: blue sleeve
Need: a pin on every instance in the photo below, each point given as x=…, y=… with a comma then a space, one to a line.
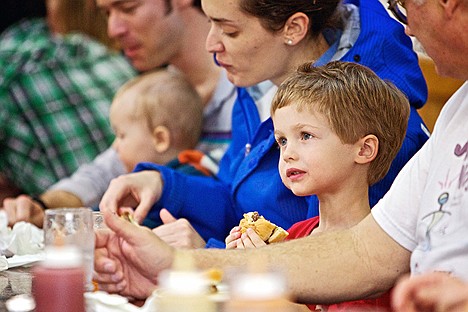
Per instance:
x=205, y=201
x=214, y=243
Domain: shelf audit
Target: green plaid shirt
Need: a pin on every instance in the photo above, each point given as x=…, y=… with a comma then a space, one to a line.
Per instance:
x=55, y=94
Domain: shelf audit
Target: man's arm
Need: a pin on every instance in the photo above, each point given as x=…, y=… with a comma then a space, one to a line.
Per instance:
x=89, y=182
x=58, y=198
x=338, y=266
x=357, y=263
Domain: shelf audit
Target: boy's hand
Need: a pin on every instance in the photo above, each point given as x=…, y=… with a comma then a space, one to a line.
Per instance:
x=250, y=239
x=231, y=239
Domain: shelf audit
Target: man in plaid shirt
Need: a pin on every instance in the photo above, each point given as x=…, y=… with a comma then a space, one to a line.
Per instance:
x=55, y=94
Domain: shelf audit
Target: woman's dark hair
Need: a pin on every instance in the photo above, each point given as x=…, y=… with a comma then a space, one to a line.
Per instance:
x=13, y=11
x=273, y=14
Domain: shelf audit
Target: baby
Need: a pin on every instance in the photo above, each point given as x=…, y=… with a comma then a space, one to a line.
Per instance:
x=338, y=128
x=157, y=117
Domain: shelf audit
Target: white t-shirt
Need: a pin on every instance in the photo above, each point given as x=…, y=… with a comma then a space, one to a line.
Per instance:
x=426, y=209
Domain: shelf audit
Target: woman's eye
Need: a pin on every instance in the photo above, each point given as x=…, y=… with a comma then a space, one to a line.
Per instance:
x=230, y=34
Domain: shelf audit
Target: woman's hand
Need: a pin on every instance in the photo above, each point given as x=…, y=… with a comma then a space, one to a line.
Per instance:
x=178, y=233
x=139, y=190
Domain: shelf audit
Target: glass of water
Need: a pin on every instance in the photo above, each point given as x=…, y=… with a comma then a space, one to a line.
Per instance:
x=72, y=226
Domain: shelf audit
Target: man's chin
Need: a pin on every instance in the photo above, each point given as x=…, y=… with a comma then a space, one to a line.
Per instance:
x=143, y=66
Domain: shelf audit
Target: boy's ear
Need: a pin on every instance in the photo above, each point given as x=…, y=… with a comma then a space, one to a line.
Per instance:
x=295, y=28
x=368, y=149
x=161, y=139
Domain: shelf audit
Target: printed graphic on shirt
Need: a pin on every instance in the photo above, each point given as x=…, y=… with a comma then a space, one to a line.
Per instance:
x=460, y=180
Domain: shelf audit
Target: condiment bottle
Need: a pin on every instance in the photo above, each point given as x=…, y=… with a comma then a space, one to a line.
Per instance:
x=184, y=289
x=58, y=281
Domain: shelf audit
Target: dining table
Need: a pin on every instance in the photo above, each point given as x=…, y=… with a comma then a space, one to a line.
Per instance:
x=14, y=281
x=18, y=281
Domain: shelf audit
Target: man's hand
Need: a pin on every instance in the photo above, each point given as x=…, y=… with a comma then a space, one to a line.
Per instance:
x=128, y=258
x=178, y=233
x=437, y=291
x=23, y=208
x=139, y=190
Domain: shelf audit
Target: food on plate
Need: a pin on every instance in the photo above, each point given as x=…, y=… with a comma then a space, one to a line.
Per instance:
x=128, y=217
x=268, y=231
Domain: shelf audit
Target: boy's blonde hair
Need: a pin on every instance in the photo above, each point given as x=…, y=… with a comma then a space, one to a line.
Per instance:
x=355, y=102
x=166, y=98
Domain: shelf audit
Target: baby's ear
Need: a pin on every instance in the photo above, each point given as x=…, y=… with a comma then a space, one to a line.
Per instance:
x=161, y=139
x=368, y=149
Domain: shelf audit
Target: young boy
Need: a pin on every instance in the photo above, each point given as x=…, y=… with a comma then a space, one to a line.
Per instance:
x=157, y=117
x=338, y=128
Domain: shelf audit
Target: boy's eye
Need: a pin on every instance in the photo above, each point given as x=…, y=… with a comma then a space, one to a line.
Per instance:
x=281, y=141
x=306, y=136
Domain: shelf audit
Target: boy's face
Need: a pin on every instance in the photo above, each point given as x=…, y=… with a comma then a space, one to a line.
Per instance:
x=148, y=34
x=133, y=138
x=313, y=159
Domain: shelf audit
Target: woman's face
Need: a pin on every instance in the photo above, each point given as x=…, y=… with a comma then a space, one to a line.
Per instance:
x=249, y=52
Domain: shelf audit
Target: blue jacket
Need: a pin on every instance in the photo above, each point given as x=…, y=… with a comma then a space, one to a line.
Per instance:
x=251, y=182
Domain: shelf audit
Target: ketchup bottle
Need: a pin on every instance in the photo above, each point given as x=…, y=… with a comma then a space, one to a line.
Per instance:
x=58, y=281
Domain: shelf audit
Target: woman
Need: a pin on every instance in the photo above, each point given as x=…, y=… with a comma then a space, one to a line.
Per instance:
x=266, y=40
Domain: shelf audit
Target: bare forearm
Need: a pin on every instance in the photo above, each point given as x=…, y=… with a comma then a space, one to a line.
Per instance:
x=58, y=199
x=352, y=264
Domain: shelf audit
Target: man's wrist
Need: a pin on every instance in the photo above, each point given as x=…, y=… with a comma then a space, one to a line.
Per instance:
x=40, y=202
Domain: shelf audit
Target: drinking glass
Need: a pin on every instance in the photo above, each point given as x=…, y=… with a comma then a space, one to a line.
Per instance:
x=72, y=226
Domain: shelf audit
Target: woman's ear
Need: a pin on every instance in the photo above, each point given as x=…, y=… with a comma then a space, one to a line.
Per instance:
x=296, y=28
x=368, y=149
x=161, y=139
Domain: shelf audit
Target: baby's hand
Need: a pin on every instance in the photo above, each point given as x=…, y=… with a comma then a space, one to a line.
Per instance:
x=231, y=239
x=250, y=239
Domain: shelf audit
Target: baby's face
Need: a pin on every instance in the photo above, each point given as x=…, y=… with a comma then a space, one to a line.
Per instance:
x=313, y=160
x=133, y=139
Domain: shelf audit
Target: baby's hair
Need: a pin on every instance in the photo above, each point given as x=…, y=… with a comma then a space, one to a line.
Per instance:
x=355, y=102
x=166, y=98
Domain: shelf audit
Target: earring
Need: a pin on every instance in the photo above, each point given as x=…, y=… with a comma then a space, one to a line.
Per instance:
x=289, y=42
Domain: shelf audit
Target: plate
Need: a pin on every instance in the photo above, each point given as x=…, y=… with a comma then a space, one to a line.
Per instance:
x=17, y=261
